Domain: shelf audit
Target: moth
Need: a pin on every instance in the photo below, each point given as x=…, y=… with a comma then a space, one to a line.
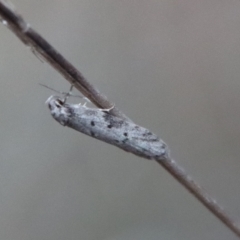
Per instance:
x=100, y=124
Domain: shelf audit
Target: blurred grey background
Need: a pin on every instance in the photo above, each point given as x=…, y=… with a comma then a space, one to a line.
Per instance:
x=171, y=66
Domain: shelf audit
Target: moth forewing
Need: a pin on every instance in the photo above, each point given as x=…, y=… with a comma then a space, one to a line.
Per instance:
x=100, y=124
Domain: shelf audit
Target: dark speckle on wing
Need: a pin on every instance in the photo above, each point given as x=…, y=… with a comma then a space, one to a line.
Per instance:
x=147, y=133
x=113, y=122
x=69, y=111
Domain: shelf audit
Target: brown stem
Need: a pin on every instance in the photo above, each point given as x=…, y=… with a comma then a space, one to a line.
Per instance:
x=41, y=47
x=211, y=204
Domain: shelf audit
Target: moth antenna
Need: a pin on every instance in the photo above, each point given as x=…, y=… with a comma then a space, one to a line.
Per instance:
x=66, y=94
x=43, y=85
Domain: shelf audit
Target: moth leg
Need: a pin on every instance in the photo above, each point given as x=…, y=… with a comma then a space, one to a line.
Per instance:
x=84, y=105
x=68, y=94
x=106, y=109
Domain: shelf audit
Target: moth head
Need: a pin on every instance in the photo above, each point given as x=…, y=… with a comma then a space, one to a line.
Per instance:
x=59, y=110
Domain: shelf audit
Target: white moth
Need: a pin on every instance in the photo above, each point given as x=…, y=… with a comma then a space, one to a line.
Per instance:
x=100, y=124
